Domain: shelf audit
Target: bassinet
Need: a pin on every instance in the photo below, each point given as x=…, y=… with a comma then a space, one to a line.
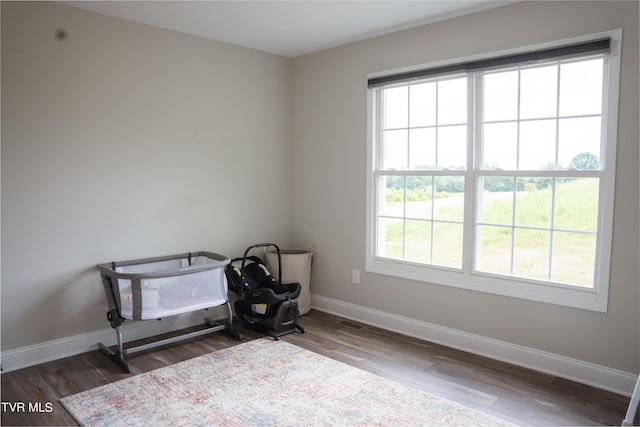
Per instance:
x=154, y=288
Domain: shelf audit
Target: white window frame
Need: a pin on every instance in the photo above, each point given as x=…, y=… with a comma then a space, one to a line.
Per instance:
x=595, y=298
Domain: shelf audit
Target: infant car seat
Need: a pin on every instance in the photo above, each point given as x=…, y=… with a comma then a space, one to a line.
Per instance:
x=264, y=303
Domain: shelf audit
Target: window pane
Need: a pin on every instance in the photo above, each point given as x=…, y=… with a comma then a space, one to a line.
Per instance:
x=574, y=257
x=576, y=206
x=418, y=242
x=419, y=193
x=579, y=143
x=494, y=251
x=422, y=149
x=452, y=147
x=395, y=111
x=537, y=145
x=500, y=146
x=501, y=96
x=531, y=254
x=496, y=200
x=390, y=237
x=452, y=101
x=422, y=108
x=394, y=150
x=449, y=202
x=581, y=87
x=391, y=202
x=447, y=244
x=533, y=203
x=538, y=90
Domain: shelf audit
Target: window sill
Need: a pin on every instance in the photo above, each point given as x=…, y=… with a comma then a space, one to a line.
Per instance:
x=568, y=296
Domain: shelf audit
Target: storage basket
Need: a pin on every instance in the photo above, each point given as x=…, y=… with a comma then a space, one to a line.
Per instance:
x=296, y=268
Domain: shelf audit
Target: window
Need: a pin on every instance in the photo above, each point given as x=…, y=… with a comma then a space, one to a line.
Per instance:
x=497, y=174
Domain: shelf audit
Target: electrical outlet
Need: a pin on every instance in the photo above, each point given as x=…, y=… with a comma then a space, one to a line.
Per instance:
x=355, y=277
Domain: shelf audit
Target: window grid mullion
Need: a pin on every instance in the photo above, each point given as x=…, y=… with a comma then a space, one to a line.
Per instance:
x=437, y=126
x=404, y=186
x=431, y=231
x=433, y=179
x=404, y=218
x=518, y=119
x=471, y=246
x=512, y=256
x=513, y=222
x=552, y=226
x=553, y=182
x=573, y=116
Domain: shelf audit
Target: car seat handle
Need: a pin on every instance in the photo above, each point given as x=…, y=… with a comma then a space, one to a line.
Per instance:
x=262, y=245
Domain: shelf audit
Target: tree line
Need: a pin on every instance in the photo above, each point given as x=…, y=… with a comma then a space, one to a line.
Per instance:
x=455, y=184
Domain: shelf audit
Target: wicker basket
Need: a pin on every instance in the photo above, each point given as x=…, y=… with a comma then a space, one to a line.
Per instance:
x=296, y=268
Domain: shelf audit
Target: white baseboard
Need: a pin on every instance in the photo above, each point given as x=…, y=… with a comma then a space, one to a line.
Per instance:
x=23, y=357
x=573, y=369
x=565, y=367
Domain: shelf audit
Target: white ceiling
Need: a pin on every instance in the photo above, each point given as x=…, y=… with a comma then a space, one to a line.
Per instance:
x=287, y=28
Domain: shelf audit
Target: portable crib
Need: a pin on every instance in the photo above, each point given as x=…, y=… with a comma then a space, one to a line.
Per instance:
x=154, y=288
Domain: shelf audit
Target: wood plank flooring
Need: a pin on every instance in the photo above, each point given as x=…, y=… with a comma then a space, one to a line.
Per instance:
x=515, y=394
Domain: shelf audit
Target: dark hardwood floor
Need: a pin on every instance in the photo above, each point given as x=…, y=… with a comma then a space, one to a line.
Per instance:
x=515, y=394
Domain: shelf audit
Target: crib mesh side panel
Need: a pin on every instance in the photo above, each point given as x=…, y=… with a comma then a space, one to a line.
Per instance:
x=169, y=296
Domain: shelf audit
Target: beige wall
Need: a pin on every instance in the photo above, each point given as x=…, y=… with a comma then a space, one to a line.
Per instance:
x=126, y=141
x=330, y=125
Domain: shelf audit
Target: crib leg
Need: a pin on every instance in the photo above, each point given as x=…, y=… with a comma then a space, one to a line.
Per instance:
x=118, y=355
x=232, y=333
x=228, y=329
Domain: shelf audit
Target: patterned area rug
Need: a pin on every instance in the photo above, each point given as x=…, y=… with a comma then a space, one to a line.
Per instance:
x=265, y=383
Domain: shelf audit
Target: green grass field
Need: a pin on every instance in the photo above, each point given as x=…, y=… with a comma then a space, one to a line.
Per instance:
x=567, y=240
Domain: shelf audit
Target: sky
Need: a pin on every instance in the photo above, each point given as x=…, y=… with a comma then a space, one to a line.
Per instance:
x=553, y=114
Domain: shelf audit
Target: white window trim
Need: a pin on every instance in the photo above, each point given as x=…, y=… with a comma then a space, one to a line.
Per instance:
x=596, y=298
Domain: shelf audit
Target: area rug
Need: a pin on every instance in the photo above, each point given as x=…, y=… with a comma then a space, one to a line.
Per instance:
x=265, y=383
